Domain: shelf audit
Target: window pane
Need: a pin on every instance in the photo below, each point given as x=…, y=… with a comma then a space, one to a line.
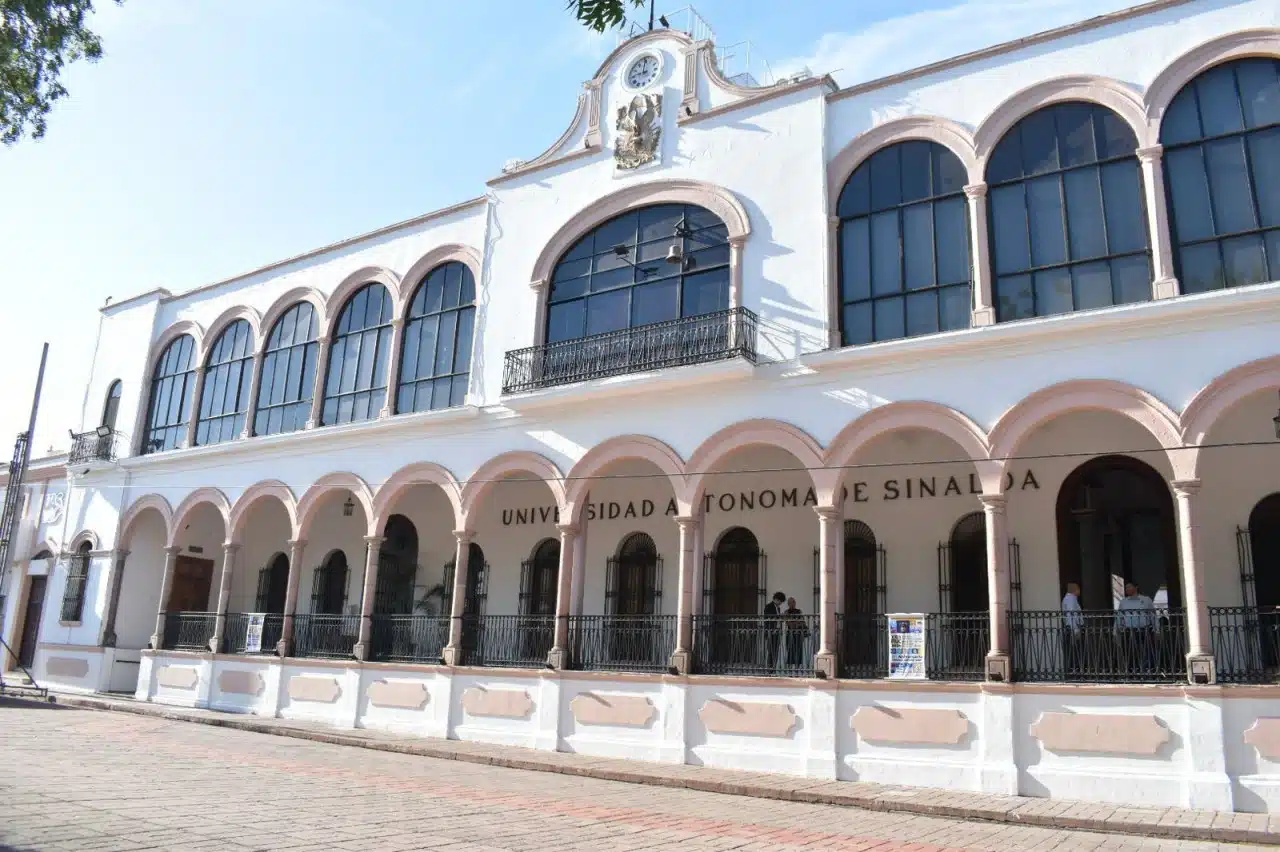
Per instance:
x=1014, y=299
x=458, y=394
x=1184, y=170
x=948, y=172
x=466, y=321
x=1131, y=280
x=951, y=227
x=307, y=380
x=608, y=312
x=427, y=335
x=1259, y=91
x=886, y=184
x=1219, y=105
x=856, y=324
x=1272, y=241
x=1264, y=156
x=855, y=260
x=886, y=261
x=1039, y=143
x=699, y=258
x=890, y=323
x=566, y=321
x=1092, y=283
x=855, y=198
x=1122, y=195
x=1244, y=261
x=922, y=313
x=955, y=307
x=1115, y=136
x=705, y=293
x=1009, y=221
x=917, y=245
x=1053, y=292
x=1044, y=209
x=1181, y=121
x=444, y=342
x=620, y=231
x=409, y=357
x=916, y=180
x=1006, y=159
x=1084, y=213
x=368, y=358
x=569, y=288
x=1201, y=268
x=623, y=275
x=1075, y=134
x=1229, y=185
x=452, y=284
x=660, y=222
x=655, y=302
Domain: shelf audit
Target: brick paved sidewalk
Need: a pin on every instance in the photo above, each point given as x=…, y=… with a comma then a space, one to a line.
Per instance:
x=1179, y=823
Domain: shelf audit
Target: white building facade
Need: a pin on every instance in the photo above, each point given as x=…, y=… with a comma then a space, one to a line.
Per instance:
x=529, y=470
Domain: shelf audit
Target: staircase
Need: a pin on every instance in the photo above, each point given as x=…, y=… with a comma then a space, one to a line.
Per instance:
x=21, y=683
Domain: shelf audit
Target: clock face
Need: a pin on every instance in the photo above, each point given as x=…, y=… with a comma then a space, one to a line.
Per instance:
x=642, y=72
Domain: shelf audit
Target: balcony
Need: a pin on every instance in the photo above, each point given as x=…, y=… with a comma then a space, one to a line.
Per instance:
x=719, y=336
x=235, y=637
x=1246, y=643
x=409, y=638
x=330, y=637
x=755, y=645
x=100, y=445
x=1106, y=646
x=512, y=641
x=622, y=643
x=188, y=631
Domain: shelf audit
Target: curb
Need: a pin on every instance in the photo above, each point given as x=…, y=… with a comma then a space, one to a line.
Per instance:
x=872, y=797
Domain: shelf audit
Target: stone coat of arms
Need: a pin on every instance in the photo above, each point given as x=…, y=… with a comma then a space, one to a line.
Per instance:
x=639, y=129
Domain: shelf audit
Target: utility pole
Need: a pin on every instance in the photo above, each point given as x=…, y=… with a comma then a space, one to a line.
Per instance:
x=13, y=490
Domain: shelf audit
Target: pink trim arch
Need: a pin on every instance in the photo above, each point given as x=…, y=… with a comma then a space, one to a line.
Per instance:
x=945, y=132
x=1221, y=395
x=1016, y=424
x=771, y=433
x=617, y=449
x=353, y=282
x=465, y=255
x=323, y=488
x=145, y=503
x=213, y=497
x=229, y=316
x=516, y=461
x=1264, y=41
x=287, y=301
x=269, y=489
x=419, y=473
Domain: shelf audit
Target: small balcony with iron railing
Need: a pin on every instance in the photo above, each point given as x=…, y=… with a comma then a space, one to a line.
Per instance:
x=98, y=445
x=755, y=645
x=703, y=339
x=1246, y=643
x=507, y=641
x=188, y=631
x=1099, y=646
x=409, y=638
x=622, y=643
x=331, y=637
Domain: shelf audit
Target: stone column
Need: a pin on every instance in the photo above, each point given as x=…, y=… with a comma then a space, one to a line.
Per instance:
x=285, y=646
x=829, y=533
x=322, y=375
x=458, y=602
x=539, y=289
x=682, y=659
x=984, y=312
x=393, y=368
x=373, y=545
x=999, y=666
x=1201, y=667
x=737, y=246
x=229, y=551
x=115, y=580
x=166, y=585
x=558, y=658
x=1165, y=284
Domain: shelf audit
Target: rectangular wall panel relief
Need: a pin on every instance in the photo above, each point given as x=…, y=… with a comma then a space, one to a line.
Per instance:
x=910, y=725
x=401, y=694
x=500, y=703
x=754, y=718
x=178, y=677
x=1101, y=733
x=240, y=682
x=68, y=667
x=626, y=711
x=323, y=690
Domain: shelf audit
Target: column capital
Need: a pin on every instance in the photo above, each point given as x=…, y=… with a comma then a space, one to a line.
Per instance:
x=464, y=536
x=829, y=513
x=737, y=242
x=684, y=521
x=993, y=502
x=230, y=546
x=538, y=285
x=1150, y=154
x=567, y=529
x=297, y=542
x=173, y=549
x=1185, y=487
x=373, y=540
x=976, y=190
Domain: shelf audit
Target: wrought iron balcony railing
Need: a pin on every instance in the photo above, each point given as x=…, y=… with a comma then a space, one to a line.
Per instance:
x=622, y=643
x=409, y=638
x=235, y=633
x=1126, y=646
x=188, y=631
x=702, y=339
x=97, y=445
x=773, y=646
x=1246, y=643
x=329, y=636
x=863, y=645
x=956, y=645
x=513, y=641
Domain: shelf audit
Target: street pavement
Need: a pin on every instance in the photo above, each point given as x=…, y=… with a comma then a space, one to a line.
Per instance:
x=84, y=780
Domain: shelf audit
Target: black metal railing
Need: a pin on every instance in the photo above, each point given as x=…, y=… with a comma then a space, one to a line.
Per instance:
x=515, y=641
x=680, y=342
x=90, y=446
x=409, y=638
x=622, y=643
x=956, y=645
x=188, y=631
x=862, y=642
x=1126, y=646
x=73, y=594
x=1246, y=643
x=777, y=646
x=330, y=636
x=235, y=633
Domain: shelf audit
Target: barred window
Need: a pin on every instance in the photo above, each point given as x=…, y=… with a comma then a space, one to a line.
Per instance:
x=436, y=361
x=77, y=580
x=288, y=372
x=228, y=373
x=1068, y=225
x=356, y=387
x=172, y=385
x=111, y=408
x=1221, y=137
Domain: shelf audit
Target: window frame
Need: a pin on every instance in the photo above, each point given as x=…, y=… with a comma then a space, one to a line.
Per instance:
x=383, y=334
x=184, y=379
x=73, y=593
x=212, y=393
x=111, y=404
x=308, y=352
x=413, y=327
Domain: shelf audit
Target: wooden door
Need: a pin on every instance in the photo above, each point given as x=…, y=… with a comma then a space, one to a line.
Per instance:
x=31, y=621
x=192, y=579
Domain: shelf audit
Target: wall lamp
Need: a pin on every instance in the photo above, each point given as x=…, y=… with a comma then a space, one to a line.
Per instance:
x=349, y=507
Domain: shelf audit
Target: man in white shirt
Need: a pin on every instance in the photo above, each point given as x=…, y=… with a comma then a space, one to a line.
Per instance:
x=1137, y=610
x=1071, y=607
x=1071, y=639
x=1137, y=616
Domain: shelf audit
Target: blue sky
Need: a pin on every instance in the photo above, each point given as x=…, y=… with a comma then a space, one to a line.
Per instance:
x=216, y=136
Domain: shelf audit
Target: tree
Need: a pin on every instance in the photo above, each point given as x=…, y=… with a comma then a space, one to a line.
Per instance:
x=601, y=15
x=37, y=38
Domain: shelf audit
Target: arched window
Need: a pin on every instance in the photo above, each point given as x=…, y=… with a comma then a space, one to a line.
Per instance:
x=964, y=572
x=619, y=276
x=737, y=575
x=1221, y=137
x=904, y=245
x=435, y=363
x=329, y=585
x=633, y=579
x=288, y=373
x=538, y=580
x=224, y=399
x=1068, y=227
x=863, y=570
x=111, y=408
x=356, y=386
x=171, y=387
x=77, y=579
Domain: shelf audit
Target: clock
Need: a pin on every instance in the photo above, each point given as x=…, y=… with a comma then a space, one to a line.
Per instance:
x=643, y=71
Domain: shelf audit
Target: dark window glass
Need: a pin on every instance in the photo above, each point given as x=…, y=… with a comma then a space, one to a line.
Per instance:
x=904, y=236
x=288, y=382
x=172, y=385
x=1066, y=208
x=356, y=386
x=228, y=374
x=436, y=355
x=111, y=408
x=1221, y=137
x=618, y=276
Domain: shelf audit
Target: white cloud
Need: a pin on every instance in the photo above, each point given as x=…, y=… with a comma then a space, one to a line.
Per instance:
x=898, y=44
